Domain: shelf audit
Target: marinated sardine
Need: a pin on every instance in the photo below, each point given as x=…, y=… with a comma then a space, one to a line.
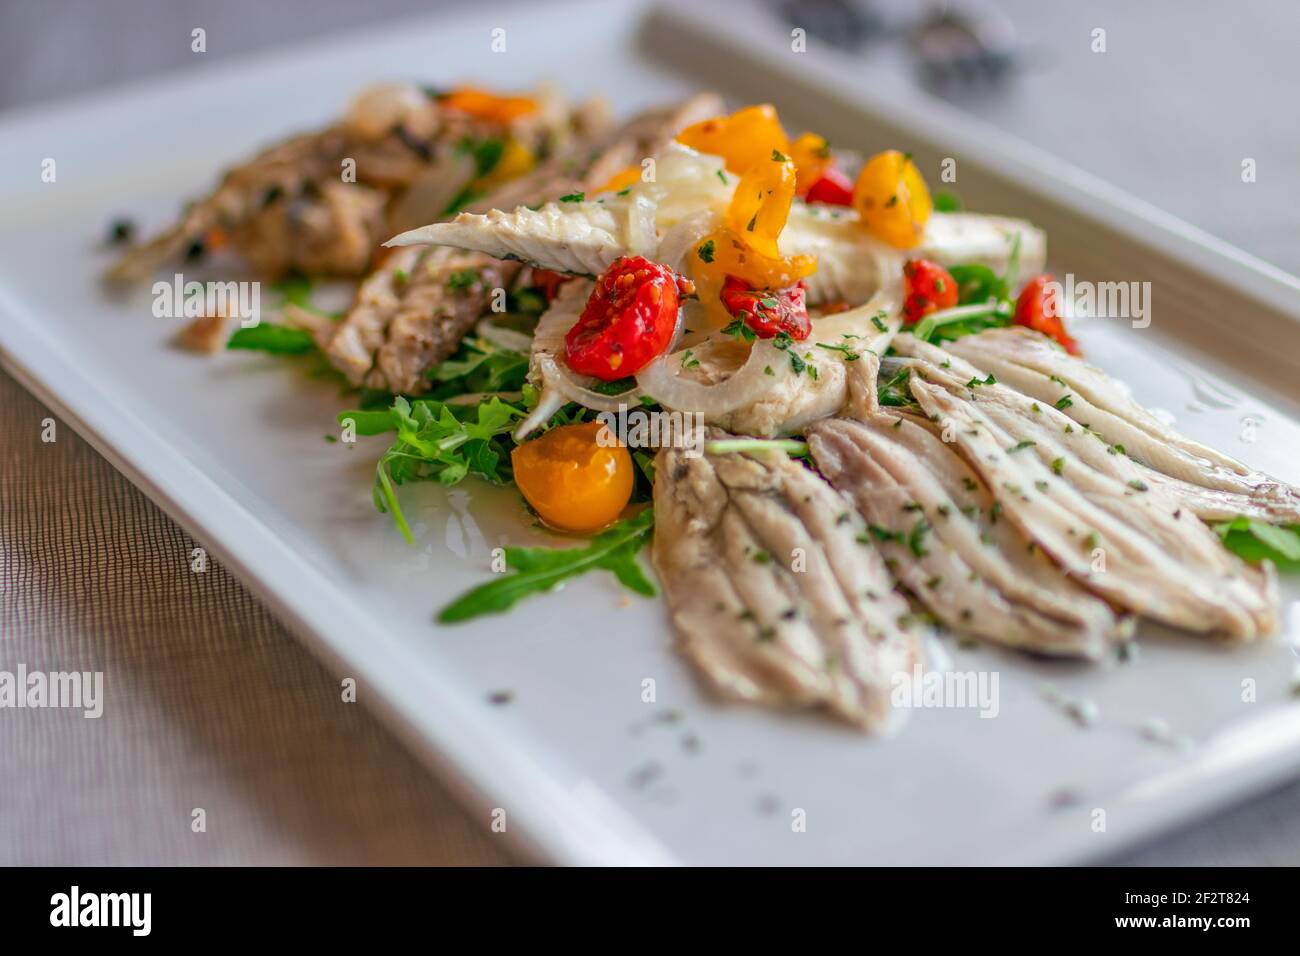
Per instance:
x=776, y=592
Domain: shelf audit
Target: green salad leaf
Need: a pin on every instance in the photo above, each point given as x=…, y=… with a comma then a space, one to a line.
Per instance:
x=296, y=290
x=478, y=366
x=273, y=338
x=440, y=442
x=1255, y=540
x=537, y=570
x=896, y=392
x=947, y=202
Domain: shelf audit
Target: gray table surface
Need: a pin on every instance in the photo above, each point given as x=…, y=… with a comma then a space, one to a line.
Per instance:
x=1184, y=92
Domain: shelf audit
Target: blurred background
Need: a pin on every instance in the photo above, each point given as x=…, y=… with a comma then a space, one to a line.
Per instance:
x=1185, y=90
x=230, y=706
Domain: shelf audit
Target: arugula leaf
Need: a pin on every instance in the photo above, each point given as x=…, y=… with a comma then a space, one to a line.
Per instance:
x=296, y=290
x=478, y=366
x=273, y=338
x=896, y=392
x=978, y=283
x=1255, y=540
x=372, y=422
x=435, y=443
x=486, y=152
x=538, y=570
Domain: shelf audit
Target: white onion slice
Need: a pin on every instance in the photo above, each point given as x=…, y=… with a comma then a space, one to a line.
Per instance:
x=662, y=379
x=641, y=237
x=503, y=338
x=682, y=239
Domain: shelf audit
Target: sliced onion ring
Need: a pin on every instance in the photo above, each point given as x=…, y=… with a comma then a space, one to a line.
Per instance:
x=747, y=385
x=503, y=338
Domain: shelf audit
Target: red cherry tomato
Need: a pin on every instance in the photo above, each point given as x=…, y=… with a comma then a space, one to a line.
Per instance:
x=833, y=188
x=929, y=288
x=628, y=321
x=1038, y=309
x=769, y=313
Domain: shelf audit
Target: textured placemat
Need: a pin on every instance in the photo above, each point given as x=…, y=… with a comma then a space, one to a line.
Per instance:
x=207, y=702
x=210, y=704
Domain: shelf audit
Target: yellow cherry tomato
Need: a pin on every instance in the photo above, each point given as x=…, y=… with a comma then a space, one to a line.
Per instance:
x=620, y=180
x=812, y=157
x=487, y=106
x=573, y=481
x=741, y=139
x=892, y=199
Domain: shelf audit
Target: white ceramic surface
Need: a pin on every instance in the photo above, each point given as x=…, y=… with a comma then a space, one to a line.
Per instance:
x=586, y=772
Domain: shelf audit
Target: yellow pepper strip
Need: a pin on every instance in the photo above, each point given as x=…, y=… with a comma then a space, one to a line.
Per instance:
x=516, y=159
x=892, y=199
x=486, y=106
x=741, y=139
x=620, y=180
x=812, y=157
x=761, y=204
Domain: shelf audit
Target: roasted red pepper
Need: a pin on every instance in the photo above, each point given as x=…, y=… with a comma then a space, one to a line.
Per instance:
x=628, y=320
x=1039, y=308
x=548, y=282
x=769, y=312
x=929, y=288
x=832, y=188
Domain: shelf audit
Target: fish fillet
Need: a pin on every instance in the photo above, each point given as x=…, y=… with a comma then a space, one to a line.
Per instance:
x=1084, y=503
x=1213, y=485
x=777, y=595
x=938, y=524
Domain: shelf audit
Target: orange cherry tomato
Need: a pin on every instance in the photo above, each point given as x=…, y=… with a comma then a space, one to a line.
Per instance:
x=487, y=106
x=812, y=157
x=892, y=199
x=741, y=139
x=571, y=479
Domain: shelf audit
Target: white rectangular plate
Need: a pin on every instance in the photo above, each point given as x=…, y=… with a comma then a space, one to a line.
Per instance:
x=587, y=771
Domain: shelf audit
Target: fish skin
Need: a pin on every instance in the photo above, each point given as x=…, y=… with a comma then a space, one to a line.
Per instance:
x=1160, y=560
x=321, y=226
x=1213, y=485
x=581, y=238
x=833, y=635
x=977, y=575
x=382, y=343
x=585, y=237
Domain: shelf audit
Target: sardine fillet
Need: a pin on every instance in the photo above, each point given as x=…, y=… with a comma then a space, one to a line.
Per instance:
x=1212, y=485
x=777, y=596
x=1074, y=496
x=939, y=527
